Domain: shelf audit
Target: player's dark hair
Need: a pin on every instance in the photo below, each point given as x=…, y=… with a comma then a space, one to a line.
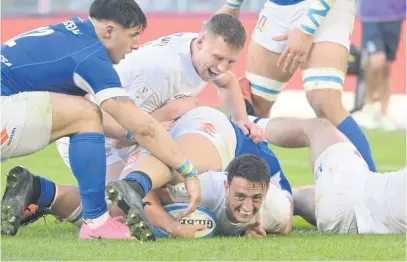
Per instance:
x=126, y=13
x=228, y=27
x=249, y=167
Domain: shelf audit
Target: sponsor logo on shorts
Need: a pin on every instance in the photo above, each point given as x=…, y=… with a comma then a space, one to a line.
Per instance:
x=4, y=136
x=108, y=152
x=261, y=23
x=208, y=128
x=133, y=157
x=13, y=132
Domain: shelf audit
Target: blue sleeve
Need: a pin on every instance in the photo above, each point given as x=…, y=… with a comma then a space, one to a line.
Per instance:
x=284, y=184
x=96, y=75
x=277, y=175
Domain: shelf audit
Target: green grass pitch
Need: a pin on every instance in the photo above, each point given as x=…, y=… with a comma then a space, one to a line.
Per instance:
x=53, y=241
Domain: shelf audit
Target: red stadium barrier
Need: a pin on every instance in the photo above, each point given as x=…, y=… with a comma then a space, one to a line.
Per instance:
x=164, y=24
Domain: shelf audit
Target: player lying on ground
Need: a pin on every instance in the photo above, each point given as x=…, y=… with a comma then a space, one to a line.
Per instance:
x=212, y=132
x=348, y=197
x=314, y=34
x=244, y=200
x=44, y=75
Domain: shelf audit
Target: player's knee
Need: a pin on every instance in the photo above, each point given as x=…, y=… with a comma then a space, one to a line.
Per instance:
x=377, y=64
x=325, y=104
x=318, y=126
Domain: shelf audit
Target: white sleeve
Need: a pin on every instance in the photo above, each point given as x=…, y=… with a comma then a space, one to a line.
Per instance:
x=276, y=210
x=149, y=89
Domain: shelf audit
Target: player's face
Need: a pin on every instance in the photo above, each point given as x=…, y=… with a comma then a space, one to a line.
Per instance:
x=243, y=199
x=214, y=57
x=121, y=41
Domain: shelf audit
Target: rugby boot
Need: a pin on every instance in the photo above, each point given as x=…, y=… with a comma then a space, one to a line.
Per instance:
x=32, y=213
x=122, y=195
x=16, y=198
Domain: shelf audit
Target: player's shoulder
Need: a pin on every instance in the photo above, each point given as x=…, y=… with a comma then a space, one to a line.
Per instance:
x=213, y=182
x=79, y=37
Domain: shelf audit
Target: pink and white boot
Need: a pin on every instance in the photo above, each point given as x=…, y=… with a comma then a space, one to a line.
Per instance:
x=111, y=229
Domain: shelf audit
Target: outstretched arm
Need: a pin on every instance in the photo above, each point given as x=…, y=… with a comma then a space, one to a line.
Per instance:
x=160, y=218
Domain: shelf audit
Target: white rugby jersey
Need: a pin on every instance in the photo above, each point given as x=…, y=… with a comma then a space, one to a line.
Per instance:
x=161, y=71
x=383, y=209
x=275, y=204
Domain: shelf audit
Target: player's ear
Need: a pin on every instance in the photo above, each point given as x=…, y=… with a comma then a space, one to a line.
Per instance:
x=199, y=41
x=109, y=30
x=225, y=183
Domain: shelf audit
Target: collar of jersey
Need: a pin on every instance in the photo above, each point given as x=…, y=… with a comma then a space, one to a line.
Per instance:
x=90, y=27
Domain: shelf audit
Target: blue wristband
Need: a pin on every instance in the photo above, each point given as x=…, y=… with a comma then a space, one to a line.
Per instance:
x=187, y=170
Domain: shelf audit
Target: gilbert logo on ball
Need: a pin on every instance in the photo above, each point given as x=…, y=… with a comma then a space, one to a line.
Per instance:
x=201, y=216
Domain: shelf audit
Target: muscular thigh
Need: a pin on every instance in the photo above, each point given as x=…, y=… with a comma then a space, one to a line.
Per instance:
x=263, y=62
x=74, y=114
x=328, y=55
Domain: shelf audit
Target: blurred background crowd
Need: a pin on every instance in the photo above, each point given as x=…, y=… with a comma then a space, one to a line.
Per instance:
x=378, y=45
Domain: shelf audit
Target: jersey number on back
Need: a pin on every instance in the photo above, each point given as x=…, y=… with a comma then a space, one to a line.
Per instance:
x=42, y=31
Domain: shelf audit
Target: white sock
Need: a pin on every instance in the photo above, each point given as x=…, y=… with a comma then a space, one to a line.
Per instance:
x=97, y=222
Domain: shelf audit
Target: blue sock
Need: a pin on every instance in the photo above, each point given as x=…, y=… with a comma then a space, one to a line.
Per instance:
x=139, y=182
x=87, y=157
x=47, y=192
x=354, y=133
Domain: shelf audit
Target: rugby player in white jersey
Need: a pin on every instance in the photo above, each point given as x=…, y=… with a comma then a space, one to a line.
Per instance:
x=244, y=200
x=349, y=198
x=313, y=34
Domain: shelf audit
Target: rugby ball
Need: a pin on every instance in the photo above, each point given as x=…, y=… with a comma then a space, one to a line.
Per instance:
x=201, y=216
